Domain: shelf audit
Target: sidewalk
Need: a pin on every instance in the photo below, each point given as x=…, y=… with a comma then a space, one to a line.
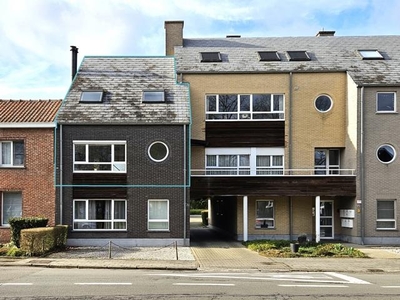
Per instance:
x=211, y=252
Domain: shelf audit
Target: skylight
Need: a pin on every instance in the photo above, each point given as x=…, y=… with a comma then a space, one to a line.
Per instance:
x=370, y=54
x=153, y=96
x=91, y=96
x=268, y=56
x=298, y=55
x=210, y=57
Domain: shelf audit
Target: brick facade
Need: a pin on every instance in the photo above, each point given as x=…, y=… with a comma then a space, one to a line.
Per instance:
x=36, y=179
x=166, y=178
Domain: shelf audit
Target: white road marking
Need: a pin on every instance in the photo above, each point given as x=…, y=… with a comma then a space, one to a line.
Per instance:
x=206, y=284
x=16, y=283
x=103, y=283
x=292, y=277
x=349, y=279
x=314, y=285
x=391, y=286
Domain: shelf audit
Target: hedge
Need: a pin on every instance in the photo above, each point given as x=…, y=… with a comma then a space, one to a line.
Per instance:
x=38, y=241
x=17, y=224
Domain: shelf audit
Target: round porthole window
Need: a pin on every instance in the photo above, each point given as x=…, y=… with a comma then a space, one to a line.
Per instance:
x=158, y=151
x=386, y=154
x=323, y=103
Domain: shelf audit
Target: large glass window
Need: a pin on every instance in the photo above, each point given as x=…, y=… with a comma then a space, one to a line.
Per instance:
x=265, y=214
x=232, y=164
x=326, y=161
x=99, y=214
x=158, y=215
x=386, y=214
x=12, y=153
x=269, y=164
x=11, y=206
x=245, y=107
x=99, y=156
x=244, y=161
x=386, y=102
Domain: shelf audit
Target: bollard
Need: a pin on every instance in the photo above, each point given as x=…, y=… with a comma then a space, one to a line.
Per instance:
x=109, y=250
x=176, y=250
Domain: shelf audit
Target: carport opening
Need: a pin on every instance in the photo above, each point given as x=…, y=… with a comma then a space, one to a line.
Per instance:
x=207, y=229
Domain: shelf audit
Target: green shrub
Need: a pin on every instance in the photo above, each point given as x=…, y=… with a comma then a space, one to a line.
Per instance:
x=15, y=251
x=196, y=211
x=17, y=224
x=280, y=248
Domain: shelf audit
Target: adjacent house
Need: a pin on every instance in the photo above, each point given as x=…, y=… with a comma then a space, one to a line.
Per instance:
x=123, y=153
x=27, y=161
x=294, y=135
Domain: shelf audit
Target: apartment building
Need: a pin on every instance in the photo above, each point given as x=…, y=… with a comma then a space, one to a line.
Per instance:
x=123, y=153
x=294, y=135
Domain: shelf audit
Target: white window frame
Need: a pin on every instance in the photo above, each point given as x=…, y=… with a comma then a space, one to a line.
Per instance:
x=252, y=169
x=113, y=164
x=12, y=155
x=4, y=223
x=244, y=115
x=88, y=224
x=330, y=106
x=262, y=222
x=386, y=111
x=157, y=220
x=330, y=169
x=386, y=220
x=394, y=154
x=166, y=148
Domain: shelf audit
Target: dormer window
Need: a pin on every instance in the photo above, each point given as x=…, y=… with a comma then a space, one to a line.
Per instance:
x=210, y=57
x=298, y=55
x=153, y=96
x=268, y=56
x=92, y=96
x=370, y=54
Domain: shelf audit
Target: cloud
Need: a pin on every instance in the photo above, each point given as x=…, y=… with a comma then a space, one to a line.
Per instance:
x=36, y=35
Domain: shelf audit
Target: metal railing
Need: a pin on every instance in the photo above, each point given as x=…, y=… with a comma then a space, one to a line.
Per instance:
x=265, y=172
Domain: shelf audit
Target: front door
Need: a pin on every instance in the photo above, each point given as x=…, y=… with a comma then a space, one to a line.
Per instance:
x=326, y=219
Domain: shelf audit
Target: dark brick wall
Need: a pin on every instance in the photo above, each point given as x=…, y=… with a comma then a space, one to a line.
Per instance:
x=141, y=170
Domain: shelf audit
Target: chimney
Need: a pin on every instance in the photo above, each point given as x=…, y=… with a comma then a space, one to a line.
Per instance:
x=173, y=36
x=74, y=66
x=325, y=33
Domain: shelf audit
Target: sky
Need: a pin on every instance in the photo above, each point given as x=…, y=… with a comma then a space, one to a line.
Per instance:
x=36, y=35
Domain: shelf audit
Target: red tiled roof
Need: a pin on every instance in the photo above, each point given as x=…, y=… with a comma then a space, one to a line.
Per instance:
x=22, y=111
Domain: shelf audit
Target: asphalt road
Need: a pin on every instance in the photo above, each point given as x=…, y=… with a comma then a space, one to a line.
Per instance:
x=47, y=283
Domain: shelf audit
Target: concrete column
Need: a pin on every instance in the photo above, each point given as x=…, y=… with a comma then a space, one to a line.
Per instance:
x=317, y=218
x=209, y=211
x=245, y=218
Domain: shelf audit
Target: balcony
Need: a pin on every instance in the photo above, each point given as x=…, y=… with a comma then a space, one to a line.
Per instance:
x=272, y=182
x=263, y=171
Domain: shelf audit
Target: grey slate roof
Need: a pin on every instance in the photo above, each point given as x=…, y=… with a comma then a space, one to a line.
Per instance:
x=328, y=54
x=123, y=79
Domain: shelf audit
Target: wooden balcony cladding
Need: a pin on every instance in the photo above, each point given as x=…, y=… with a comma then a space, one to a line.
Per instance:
x=245, y=134
x=202, y=187
x=99, y=193
x=111, y=191
x=99, y=178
